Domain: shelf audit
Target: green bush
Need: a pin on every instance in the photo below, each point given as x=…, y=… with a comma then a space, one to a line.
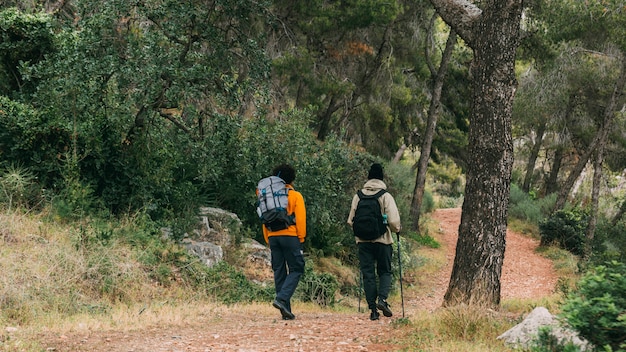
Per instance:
x=609, y=242
x=225, y=283
x=526, y=207
x=447, y=177
x=565, y=228
x=316, y=287
x=597, y=307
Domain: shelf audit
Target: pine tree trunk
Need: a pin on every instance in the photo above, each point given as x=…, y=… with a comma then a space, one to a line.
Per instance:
x=480, y=249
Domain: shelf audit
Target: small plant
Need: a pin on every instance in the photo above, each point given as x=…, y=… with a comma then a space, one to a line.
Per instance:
x=465, y=322
x=316, y=287
x=17, y=187
x=597, y=307
x=224, y=282
x=546, y=342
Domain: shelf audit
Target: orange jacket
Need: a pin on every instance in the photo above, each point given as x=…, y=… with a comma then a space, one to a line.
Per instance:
x=295, y=205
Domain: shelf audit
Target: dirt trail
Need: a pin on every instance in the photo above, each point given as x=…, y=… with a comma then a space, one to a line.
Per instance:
x=525, y=275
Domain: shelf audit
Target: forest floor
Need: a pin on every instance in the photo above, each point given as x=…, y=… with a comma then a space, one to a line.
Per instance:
x=526, y=274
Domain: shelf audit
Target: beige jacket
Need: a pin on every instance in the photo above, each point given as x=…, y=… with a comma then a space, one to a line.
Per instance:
x=387, y=205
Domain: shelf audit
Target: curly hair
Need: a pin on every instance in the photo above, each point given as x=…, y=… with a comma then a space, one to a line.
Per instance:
x=286, y=172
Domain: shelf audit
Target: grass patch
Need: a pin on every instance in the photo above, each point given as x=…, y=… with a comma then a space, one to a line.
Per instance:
x=524, y=227
x=565, y=263
x=460, y=328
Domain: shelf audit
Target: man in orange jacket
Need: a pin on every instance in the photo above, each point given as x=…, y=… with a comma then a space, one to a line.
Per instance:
x=286, y=245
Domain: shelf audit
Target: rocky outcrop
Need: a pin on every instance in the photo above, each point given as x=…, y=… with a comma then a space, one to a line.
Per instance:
x=524, y=334
x=218, y=232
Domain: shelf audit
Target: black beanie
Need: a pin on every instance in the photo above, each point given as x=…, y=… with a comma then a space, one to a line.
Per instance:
x=376, y=171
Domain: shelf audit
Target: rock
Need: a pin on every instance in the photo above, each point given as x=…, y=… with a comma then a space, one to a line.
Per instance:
x=214, y=235
x=217, y=225
x=209, y=253
x=524, y=334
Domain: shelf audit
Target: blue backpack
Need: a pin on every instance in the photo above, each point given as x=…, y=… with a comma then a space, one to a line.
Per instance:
x=272, y=204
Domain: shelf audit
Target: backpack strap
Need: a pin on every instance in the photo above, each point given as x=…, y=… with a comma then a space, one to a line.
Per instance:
x=376, y=195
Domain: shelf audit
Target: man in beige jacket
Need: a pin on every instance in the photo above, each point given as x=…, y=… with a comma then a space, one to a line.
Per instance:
x=375, y=254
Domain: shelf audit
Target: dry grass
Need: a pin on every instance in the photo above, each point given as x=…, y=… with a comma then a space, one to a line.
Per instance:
x=47, y=273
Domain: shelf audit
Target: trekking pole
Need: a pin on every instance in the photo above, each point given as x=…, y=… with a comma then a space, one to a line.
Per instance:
x=400, y=269
x=360, y=288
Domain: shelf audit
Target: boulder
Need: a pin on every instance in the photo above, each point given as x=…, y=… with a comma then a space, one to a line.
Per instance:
x=214, y=236
x=209, y=253
x=524, y=334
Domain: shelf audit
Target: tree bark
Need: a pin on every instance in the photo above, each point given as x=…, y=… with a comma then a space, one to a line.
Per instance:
x=595, y=196
x=609, y=114
x=493, y=35
x=431, y=124
x=552, y=185
x=620, y=214
x=532, y=158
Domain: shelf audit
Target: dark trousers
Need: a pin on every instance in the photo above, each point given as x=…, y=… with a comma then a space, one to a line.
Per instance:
x=375, y=260
x=287, y=264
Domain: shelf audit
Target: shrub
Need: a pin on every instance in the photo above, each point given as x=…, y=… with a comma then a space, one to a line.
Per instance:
x=448, y=178
x=316, y=287
x=565, y=228
x=597, y=307
x=609, y=242
x=225, y=283
x=18, y=187
x=526, y=207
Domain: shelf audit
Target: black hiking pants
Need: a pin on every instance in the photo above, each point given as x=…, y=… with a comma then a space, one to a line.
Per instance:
x=375, y=264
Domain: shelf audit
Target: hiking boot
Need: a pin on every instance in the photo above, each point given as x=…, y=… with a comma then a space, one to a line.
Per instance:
x=284, y=311
x=374, y=315
x=384, y=306
x=287, y=318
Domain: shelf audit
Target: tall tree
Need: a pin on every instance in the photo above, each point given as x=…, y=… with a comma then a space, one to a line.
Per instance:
x=599, y=29
x=346, y=61
x=439, y=76
x=492, y=32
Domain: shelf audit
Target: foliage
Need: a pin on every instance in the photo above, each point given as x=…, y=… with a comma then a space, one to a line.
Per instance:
x=18, y=188
x=609, y=242
x=31, y=140
x=226, y=284
x=594, y=23
x=340, y=59
x=596, y=307
x=424, y=239
x=146, y=90
x=25, y=39
x=565, y=228
x=447, y=177
x=546, y=342
x=317, y=287
x=408, y=260
x=525, y=207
